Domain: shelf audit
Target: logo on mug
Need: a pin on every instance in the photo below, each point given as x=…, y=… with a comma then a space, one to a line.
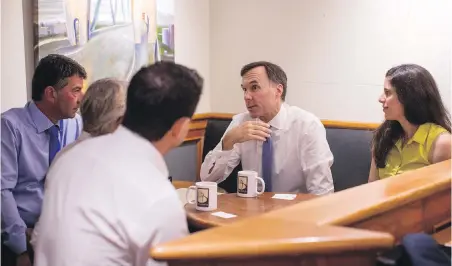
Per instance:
x=242, y=184
x=203, y=197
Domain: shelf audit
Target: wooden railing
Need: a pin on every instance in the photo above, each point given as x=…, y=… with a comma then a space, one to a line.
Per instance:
x=199, y=123
x=344, y=228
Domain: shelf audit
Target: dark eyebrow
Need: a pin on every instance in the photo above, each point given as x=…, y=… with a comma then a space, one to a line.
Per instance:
x=251, y=82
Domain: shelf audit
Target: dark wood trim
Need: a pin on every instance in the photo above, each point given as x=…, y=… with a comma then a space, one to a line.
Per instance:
x=200, y=121
x=361, y=258
x=198, y=124
x=206, y=116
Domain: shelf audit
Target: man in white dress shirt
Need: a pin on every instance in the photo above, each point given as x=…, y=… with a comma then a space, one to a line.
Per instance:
x=110, y=200
x=286, y=145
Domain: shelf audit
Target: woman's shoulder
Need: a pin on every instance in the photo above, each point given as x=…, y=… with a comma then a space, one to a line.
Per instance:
x=435, y=128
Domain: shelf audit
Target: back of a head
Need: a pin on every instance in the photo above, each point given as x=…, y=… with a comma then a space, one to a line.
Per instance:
x=52, y=70
x=158, y=95
x=103, y=106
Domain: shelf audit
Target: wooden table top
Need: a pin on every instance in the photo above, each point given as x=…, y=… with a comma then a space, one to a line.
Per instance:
x=310, y=227
x=242, y=207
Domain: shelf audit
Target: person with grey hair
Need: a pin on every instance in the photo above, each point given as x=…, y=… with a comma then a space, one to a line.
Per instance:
x=102, y=109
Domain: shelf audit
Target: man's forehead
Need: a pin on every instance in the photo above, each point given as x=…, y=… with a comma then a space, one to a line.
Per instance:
x=255, y=75
x=75, y=80
x=250, y=80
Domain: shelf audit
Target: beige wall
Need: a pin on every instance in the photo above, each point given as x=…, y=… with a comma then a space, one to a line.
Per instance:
x=335, y=52
x=335, y=55
x=192, y=42
x=13, y=55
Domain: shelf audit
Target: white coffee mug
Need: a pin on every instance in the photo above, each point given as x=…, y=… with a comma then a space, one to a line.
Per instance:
x=247, y=184
x=206, y=196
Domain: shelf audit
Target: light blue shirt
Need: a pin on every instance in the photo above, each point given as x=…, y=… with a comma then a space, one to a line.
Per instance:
x=25, y=161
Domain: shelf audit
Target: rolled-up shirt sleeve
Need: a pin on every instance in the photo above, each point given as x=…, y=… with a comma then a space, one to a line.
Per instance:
x=317, y=160
x=218, y=164
x=13, y=227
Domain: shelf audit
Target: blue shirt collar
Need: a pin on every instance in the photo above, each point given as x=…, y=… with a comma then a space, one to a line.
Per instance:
x=40, y=120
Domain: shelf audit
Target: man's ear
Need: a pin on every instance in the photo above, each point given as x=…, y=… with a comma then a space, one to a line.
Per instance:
x=180, y=128
x=119, y=120
x=279, y=90
x=50, y=94
x=118, y=123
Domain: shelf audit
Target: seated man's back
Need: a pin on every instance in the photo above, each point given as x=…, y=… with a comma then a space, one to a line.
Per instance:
x=103, y=209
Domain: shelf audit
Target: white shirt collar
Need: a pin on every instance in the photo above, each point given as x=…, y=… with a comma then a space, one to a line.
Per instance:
x=279, y=121
x=143, y=146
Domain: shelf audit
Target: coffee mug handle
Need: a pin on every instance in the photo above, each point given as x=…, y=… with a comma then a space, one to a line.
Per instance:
x=188, y=194
x=258, y=179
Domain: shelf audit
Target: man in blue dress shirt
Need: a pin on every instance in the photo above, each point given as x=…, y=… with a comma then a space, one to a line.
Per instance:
x=31, y=136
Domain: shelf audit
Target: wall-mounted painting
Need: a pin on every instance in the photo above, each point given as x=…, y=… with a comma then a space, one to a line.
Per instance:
x=165, y=29
x=110, y=38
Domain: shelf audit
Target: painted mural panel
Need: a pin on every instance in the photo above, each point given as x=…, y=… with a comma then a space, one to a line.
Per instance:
x=110, y=38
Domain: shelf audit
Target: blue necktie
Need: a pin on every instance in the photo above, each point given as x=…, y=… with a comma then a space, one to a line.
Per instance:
x=267, y=163
x=54, y=143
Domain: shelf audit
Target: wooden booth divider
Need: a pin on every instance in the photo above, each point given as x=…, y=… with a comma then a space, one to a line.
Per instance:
x=345, y=228
x=349, y=227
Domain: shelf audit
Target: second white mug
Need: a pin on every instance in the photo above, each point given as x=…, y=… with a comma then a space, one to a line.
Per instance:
x=247, y=184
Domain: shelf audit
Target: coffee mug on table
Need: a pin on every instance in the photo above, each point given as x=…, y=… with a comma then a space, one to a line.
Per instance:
x=247, y=184
x=206, y=196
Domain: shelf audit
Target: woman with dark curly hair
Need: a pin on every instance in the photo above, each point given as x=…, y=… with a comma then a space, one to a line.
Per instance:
x=416, y=130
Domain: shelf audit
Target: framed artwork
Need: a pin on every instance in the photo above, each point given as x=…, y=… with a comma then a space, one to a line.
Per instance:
x=165, y=29
x=110, y=38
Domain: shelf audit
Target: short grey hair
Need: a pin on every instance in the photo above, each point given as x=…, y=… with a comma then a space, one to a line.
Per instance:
x=103, y=105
